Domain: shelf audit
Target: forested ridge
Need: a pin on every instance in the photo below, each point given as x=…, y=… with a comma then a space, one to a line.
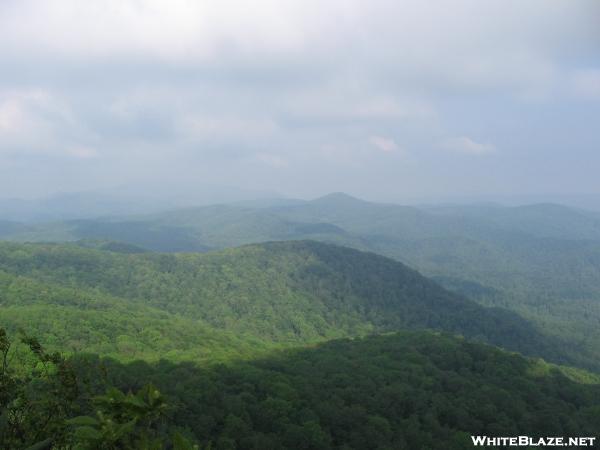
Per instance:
x=408, y=390
x=541, y=261
x=405, y=390
x=297, y=344
x=273, y=294
x=299, y=225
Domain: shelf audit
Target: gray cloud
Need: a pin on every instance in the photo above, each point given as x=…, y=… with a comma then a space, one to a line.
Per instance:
x=466, y=145
x=262, y=94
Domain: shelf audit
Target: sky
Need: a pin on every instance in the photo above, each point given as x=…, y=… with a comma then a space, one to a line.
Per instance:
x=385, y=100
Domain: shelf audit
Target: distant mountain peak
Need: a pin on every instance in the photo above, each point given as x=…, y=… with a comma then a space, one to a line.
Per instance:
x=338, y=197
x=545, y=207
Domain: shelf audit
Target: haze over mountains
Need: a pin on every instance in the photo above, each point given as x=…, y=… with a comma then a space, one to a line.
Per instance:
x=539, y=220
x=147, y=198
x=122, y=200
x=541, y=261
x=307, y=225
x=236, y=311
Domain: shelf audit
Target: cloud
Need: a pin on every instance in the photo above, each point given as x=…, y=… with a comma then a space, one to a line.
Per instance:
x=171, y=31
x=36, y=122
x=586, y=84
x=201, y=127
x=210, y=85
x=347, y=103
x=386, y=145
x=416, y=43
x=467, y=146
x=82, y=152
x=11, y=117
x=272, y=160
x=27, y=120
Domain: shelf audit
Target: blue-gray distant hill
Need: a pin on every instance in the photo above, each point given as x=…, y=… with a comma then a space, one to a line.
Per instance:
x=542, y=261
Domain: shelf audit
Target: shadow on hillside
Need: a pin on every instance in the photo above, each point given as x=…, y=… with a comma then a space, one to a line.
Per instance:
x=402, y=390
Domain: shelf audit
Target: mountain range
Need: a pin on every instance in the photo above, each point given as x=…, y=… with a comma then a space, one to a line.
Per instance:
x=541, y=261
x=329, y=324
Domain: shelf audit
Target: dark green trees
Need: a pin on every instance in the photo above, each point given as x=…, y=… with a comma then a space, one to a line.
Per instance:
x=42, y=399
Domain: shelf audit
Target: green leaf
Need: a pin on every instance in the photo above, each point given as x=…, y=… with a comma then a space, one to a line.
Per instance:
x=181, y=443
x=125, y=428
x=83, y=421
x=136, y=401
x=88, y=434
x=43, y=445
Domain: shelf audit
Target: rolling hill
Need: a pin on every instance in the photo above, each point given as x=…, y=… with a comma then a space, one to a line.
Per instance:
x=541, y=261
x=413, y=390
x=133, y=305
x=295, y=344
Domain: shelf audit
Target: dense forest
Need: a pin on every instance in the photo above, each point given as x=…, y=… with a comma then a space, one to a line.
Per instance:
x=132, y=305
x=299, y=343
x=413, y=390
x=540, y=261
x=184, y=263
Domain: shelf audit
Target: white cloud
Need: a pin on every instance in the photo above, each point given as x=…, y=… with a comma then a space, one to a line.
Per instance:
x=384, y=144
x=340, y=102
x=171, y=30
x=467, y=146
x=190, y=84
x=200, y=127
x=272, y=160
x=11, y=117
x=25, y=119
x=586, y=84
x=34, y=121
x=82, y=152
x=429, y=42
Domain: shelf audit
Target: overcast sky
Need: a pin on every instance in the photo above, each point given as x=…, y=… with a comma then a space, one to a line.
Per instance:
x=381, y=99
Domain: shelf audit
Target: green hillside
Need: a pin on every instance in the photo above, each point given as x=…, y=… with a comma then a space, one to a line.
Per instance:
x=541, y=220
x=413, y=390
x=296, y=344
x=541, y=261
x=281, y=293
x=407, y=390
